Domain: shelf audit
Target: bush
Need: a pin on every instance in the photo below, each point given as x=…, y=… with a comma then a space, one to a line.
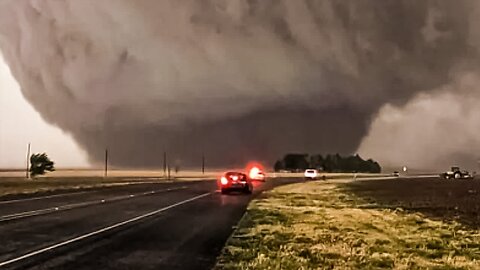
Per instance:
x=278, y=166
x=40, y=164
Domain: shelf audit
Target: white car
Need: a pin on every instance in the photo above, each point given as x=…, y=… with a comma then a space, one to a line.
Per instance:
x=256, y=174
x=311, y=174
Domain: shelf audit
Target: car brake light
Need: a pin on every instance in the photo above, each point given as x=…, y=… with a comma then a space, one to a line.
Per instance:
x=224, y=180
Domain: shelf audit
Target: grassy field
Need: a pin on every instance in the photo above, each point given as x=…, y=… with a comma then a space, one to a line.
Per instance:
x=382, y=224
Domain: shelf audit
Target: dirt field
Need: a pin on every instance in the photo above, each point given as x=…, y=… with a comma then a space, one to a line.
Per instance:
x=381, y=224
x=438, y=199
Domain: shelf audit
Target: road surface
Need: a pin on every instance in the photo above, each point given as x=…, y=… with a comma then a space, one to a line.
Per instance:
x=180, y=225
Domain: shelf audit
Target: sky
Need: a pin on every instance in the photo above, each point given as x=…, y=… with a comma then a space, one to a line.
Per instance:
x=237, y=80
x=21, y=124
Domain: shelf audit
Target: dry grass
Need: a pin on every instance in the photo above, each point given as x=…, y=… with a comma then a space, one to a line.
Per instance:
x=15, y=186
x=65, y=173
x=326, y=226
x=81, y=179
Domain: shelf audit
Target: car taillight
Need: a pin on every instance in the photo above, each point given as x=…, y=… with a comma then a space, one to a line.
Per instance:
x=224, y=180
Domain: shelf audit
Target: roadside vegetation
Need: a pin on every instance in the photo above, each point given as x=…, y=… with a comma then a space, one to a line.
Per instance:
x=392, y=224
x=40, y=164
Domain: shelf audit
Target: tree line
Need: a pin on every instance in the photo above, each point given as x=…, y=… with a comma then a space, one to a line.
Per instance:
x=328, y=163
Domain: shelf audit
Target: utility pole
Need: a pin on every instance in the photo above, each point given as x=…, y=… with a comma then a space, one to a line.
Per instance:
x=106, y=163
x=164, y=164
x=203, y=163
x=27, y=174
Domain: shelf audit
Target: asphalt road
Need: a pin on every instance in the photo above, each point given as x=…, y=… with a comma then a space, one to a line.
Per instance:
x=180, y=225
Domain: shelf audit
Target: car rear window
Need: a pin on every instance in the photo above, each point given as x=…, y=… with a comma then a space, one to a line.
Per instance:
x=241, y=176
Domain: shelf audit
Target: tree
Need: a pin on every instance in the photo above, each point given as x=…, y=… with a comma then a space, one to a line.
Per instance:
x=373, y=166
x=328, y=163
x=40, y=164
x=278, y=166
x=295, y=162
x=316, y=161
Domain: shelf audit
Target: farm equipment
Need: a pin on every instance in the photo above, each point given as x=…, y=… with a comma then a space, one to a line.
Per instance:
x=456, y=173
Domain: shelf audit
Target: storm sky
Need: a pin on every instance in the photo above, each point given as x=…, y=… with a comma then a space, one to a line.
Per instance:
x=20, y=124
x=241, y=80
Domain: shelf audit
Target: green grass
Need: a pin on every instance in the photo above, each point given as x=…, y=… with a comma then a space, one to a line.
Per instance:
x=321, y=225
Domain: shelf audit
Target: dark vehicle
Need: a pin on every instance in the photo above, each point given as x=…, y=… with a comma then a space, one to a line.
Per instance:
x=396, y=174
x=456, y=173
x=235, y=181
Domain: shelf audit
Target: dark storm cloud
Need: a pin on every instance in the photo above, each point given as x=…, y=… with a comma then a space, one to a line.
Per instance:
x=236, y=79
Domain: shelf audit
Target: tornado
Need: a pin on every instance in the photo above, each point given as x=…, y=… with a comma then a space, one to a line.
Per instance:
x=236, y=80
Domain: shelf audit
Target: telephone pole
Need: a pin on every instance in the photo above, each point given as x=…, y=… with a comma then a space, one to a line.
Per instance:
x=27, y=174
x=164, y=164
x=106, y=163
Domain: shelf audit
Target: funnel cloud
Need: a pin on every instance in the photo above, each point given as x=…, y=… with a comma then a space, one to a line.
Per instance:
x=234, y=79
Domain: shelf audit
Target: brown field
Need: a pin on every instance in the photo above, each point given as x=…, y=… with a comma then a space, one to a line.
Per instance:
x=437, y=199
x=14, y=182
x=381, y=224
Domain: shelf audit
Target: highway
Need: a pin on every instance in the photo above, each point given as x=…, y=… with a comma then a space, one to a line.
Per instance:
x=179, y=225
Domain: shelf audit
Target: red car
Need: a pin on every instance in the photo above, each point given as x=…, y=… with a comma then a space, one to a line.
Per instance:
x=235, y=181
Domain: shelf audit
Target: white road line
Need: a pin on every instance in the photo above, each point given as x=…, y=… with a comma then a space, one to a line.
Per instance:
x=422, y=176
x=78, y=205
x=394, y=177
x=97, y=232
x=377, y=178
x=47, y=197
